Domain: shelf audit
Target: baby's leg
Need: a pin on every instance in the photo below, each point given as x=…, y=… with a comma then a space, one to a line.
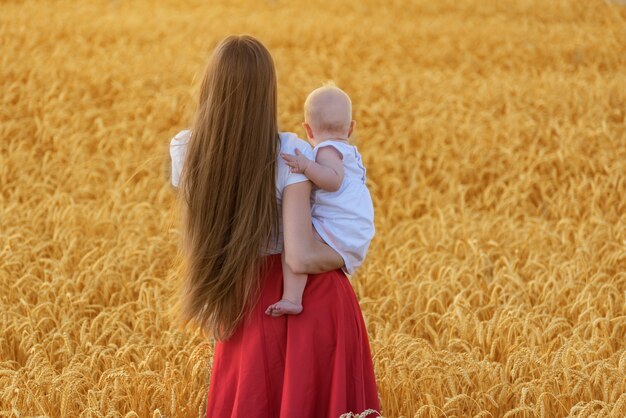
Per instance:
x=317, y=236
x=293, y=287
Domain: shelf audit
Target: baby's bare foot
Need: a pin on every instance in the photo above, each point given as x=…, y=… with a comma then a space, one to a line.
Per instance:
x=284, y=307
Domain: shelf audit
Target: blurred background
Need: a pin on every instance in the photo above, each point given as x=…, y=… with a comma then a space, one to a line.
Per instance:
x=494, y=137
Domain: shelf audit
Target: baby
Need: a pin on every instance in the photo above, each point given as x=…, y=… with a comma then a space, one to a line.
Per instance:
x=342, y=212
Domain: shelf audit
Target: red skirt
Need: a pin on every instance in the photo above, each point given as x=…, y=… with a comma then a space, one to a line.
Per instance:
x=316, y=364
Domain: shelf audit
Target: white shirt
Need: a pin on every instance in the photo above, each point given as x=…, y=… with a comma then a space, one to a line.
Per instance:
x=345, y=218
x=284, y=177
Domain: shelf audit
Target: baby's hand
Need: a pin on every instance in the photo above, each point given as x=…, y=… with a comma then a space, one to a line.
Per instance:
x=298, y=163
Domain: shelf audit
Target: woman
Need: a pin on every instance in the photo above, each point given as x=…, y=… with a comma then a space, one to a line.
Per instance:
x=316, y=364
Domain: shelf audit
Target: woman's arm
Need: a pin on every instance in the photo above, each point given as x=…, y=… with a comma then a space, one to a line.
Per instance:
x=303, y=253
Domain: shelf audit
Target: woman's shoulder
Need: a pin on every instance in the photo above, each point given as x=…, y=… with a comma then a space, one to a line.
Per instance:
x=181, y=137
x=290, y=141
x=288, y=144
x=178, y=144
x=178, y=149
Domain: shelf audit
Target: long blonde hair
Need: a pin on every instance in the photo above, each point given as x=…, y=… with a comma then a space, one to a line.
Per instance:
x=230, y=211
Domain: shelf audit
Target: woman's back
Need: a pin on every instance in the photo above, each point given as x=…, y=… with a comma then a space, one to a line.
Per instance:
x=287, y=142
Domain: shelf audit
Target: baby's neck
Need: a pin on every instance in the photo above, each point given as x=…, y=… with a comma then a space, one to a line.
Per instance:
x=318, y=139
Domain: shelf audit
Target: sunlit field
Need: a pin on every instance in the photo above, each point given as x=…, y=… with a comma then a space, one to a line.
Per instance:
x=495, y=141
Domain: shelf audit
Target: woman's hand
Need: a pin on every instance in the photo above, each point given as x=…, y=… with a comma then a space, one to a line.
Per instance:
x=303, y=253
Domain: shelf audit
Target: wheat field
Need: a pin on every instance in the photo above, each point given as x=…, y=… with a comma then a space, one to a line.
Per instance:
x=495, y=141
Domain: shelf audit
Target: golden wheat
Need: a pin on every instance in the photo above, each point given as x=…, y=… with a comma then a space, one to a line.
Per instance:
x=495, y=140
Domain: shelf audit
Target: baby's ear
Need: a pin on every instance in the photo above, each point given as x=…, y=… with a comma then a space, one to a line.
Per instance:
x=352, y=125
x=309, y=131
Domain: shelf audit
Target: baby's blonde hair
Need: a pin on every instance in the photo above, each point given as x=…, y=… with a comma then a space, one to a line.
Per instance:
x=328, y=109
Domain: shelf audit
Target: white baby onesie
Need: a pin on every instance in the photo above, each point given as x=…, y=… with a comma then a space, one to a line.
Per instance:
x=345, y=218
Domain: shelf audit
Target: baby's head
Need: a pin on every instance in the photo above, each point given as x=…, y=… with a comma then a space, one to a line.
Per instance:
x=328, y=114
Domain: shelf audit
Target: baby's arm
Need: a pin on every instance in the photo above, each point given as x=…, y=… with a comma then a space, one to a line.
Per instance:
x=326, y=172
